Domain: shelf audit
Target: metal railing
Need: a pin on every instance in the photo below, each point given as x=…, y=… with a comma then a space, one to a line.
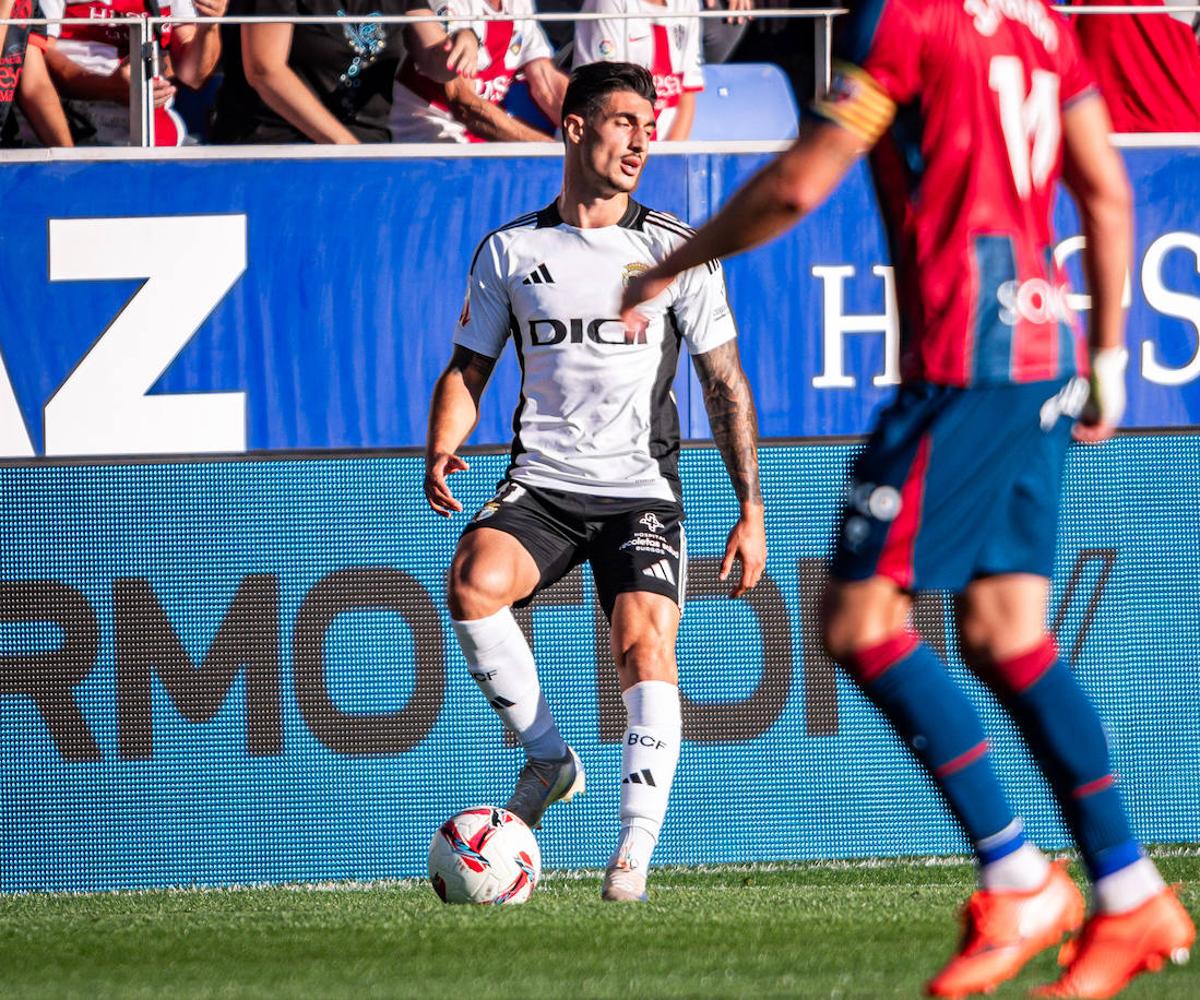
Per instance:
x=144, y=50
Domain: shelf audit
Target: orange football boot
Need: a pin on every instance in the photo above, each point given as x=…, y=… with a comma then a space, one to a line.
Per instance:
x=1004, y=930
x=1114, y=948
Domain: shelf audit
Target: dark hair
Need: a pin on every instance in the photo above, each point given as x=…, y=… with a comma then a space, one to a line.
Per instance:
x=590, y=86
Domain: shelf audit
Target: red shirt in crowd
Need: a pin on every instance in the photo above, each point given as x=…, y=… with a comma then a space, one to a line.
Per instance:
x=1147, y=66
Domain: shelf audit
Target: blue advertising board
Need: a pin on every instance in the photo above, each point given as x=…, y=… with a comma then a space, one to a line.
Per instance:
x=242, y=670
x=192, y=306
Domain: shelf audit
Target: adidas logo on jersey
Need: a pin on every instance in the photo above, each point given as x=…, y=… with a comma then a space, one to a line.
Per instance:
x=539, y=276
x=661, y=570
x=643, y=777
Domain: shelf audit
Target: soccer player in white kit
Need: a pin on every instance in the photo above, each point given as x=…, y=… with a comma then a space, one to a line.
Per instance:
x=593, y=475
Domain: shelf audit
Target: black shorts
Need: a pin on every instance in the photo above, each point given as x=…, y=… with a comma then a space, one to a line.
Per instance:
x=632, y=545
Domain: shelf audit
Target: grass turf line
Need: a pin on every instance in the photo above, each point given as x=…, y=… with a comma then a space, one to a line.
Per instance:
x=782, y=931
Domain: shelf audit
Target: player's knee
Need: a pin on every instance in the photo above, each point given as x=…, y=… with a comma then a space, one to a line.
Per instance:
x=975, y=642
x=477, y=588
x=985, y=642
x=861, y=615
x=648, y=658
x=846, y=630
x=838, y=637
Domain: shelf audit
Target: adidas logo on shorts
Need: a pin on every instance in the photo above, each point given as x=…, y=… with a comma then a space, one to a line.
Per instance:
x=661, y=570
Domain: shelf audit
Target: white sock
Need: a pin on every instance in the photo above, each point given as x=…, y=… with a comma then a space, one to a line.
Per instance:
x=1128, y=888
x=502, y=664
x=649, y=754
x=1023, y=870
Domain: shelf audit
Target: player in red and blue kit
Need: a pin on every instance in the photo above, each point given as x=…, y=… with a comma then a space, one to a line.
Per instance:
x=971, y=110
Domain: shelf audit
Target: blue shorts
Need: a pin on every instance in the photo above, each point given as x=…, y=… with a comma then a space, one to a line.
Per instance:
x=955, y=484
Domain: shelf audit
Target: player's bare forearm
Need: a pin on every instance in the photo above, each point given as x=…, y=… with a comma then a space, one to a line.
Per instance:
x=730, y=406
x=1095, y=174
x=453, y=413
x=773, y=200
x=454, y=407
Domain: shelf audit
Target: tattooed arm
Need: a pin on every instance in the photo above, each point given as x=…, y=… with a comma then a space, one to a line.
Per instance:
x=453, y=413
x=730, y=406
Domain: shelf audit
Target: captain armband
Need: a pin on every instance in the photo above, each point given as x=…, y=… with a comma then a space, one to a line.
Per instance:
x=857, y=102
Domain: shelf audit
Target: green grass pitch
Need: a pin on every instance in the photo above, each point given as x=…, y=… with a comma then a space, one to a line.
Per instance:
x=822, y=930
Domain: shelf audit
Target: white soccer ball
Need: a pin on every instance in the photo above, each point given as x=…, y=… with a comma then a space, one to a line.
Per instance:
x=484, y=855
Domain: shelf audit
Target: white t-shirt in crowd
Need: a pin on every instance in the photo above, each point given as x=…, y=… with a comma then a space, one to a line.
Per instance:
x=419, y=113
x=669, y=47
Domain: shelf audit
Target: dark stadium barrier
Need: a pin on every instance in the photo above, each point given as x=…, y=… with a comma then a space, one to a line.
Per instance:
x=242, y=670
x=310, y=303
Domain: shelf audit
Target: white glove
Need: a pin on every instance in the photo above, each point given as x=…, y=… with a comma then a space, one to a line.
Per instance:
x=1106, y=404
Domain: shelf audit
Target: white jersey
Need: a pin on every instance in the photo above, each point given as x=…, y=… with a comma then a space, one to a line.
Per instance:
x=419, y=112
x=596, y=413
x=669, y=47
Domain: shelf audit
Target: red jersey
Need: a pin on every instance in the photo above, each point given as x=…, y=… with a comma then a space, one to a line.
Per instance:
x=963, y=100
x=1147, y=65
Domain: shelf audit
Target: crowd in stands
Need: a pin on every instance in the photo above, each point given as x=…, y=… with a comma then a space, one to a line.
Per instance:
x=464, y=75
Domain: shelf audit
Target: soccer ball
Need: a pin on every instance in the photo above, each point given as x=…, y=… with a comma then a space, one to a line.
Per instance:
x=484, y=855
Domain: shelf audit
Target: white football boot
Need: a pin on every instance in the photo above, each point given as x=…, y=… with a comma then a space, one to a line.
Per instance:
x=541, y=783
x=624, y=879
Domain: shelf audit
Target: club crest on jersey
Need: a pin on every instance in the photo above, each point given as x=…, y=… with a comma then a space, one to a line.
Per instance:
x=607, y=48
x=631, y=271
x=515, y=47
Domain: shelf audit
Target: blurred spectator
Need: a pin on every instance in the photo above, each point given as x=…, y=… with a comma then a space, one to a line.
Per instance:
x=329, y=83
x=560, y=33
x=721, y=35
x=24, y=78
x=789, y=43
x=1148, y=66
x=90, y=65
x=668, y=46
x=466, y=110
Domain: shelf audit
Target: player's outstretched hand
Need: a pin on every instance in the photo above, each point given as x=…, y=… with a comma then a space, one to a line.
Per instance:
x=462, y=53
x=748, y=545
x=437, y=492
x=1106, y=397
x=640, y=289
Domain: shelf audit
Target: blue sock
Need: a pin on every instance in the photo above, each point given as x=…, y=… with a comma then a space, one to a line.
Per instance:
x=910, y=685
x=1063, y=730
